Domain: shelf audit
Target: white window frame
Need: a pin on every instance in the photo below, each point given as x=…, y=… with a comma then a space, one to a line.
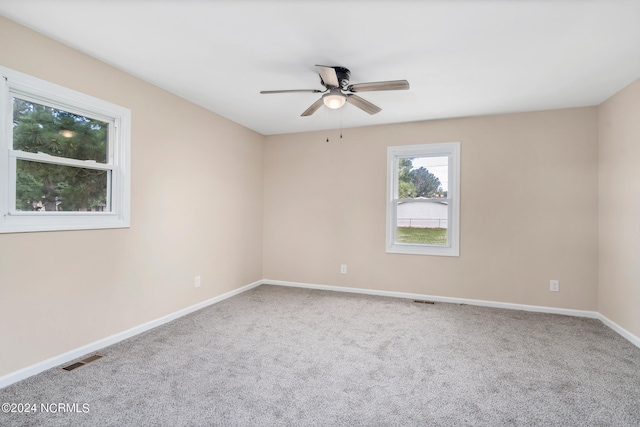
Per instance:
x=448, y=149
x=118, y=162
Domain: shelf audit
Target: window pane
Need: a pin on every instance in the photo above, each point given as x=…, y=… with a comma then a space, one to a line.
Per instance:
x=49, y=187
x=423, y=177
x=421, y=222
x=38, y=128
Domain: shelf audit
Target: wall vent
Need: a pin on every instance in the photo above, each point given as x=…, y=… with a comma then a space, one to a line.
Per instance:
x=422, y=301
x=82, y=362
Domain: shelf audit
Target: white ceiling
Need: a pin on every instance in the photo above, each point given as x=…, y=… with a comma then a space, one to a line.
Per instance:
x=462, y=58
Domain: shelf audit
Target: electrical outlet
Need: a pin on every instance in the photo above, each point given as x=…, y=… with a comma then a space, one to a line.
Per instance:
x=343, y=268
x=554, y=285
x=196, y=281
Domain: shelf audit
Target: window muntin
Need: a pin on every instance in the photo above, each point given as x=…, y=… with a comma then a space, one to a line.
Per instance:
x=423, y=199
x=67, y=157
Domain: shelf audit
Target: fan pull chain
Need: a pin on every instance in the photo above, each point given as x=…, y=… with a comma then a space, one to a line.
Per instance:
x=340, y=126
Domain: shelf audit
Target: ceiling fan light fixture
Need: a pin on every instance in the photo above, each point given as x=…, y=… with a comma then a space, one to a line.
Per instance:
x=334, y=99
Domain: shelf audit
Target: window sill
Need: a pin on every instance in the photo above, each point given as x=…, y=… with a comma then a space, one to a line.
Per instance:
x=408, y=249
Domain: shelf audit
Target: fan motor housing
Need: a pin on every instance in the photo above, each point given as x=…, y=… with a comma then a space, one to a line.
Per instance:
x=343, y=75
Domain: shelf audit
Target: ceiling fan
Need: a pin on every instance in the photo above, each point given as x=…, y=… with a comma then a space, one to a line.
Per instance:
x=338, y=90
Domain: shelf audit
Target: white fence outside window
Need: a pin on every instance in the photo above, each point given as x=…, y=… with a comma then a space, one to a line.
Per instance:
x=423, y=215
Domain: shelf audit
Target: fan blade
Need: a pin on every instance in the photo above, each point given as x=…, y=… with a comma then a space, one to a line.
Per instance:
x=314, y=107
x=292, y=90
x=368, y=87
x=328, y=75
x=363, y=104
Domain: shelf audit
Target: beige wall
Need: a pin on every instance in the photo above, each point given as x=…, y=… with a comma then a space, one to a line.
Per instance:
x=196, y=210
x=528, y=209
x=619, y=208
x=202, y=188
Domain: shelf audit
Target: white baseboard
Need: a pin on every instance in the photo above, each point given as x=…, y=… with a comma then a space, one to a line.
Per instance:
x=97, y=345
x=482, y=303
x=635, y=340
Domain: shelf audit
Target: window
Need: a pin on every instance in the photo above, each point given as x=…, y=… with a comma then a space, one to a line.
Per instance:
x=64, y=158
x=423, y=199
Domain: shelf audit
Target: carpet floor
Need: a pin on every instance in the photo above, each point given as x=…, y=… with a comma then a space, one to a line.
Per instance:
x=277, y=356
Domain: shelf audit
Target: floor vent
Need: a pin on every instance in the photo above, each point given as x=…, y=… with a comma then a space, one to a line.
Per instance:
x=82, y=362
x=73, y=366
x=91, y=358
x=421, y=301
